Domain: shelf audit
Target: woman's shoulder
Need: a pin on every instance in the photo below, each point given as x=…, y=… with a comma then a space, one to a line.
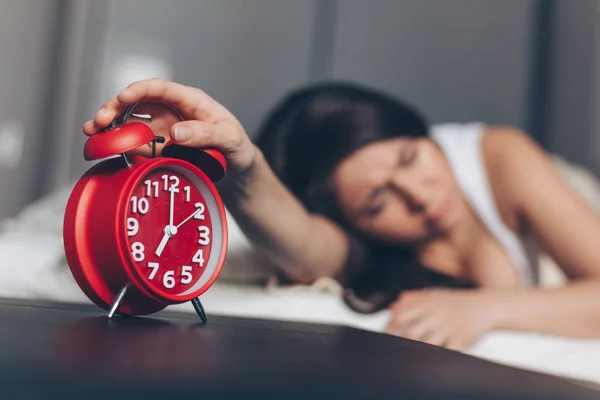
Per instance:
x=507, y=149
x=497, y=140
x=504, y=150
x=509, y=153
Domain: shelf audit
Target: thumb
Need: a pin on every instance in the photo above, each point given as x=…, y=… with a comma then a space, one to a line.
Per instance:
x=193, y=134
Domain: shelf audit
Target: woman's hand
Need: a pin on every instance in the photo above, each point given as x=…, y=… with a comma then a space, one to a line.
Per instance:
x=452, y=318
x=206, y=122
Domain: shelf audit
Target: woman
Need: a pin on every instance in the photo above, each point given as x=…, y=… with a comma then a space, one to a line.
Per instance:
x=349, y=183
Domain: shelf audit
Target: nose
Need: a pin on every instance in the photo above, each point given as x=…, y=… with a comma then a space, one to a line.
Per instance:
x=412, y=189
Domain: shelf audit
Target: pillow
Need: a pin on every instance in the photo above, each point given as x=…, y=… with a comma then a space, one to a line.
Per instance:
x=243, y=264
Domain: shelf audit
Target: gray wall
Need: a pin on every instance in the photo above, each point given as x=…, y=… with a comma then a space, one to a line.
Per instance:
x=570, y=113
x=27, y=38
x=457, y=60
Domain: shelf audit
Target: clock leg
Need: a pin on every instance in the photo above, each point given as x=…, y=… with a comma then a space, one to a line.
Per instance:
x=199, y=309
x=117, y=301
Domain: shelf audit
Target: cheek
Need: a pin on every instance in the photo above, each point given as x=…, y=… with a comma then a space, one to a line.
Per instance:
x=442, y=171
x=432, y=161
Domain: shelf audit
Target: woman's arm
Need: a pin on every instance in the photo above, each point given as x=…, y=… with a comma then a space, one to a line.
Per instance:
x=565, y=226
x=304, y=246
x=458, y=318
x=571, y=310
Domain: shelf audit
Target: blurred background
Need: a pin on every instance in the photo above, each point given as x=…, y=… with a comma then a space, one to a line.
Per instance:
x=534, y=64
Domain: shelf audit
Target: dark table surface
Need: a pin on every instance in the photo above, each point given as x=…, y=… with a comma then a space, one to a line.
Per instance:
x=50, y=350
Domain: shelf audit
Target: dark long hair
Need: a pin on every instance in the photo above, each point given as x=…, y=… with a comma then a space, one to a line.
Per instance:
x=305, y=137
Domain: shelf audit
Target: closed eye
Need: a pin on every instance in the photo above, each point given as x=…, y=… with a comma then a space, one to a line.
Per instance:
x=373, y=211
x=374, y=204
x=408, y=155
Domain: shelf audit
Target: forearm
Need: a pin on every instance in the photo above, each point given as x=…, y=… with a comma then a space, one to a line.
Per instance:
x=572, y=310
x=279, y=226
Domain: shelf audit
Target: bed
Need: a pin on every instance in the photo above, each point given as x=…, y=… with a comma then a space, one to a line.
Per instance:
x=33, y=266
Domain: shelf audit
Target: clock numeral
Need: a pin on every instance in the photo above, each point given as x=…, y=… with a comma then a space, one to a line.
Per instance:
x=174, y=183
x=133, y=226
x=169, y=276
x=139, y=205
x=186, y=274
x=169, y=280
x=187, y=194
x=137, y=251
x=200, y=213
x=204, y=238
x=199, y=258
x=154, y=267
x=149, y=186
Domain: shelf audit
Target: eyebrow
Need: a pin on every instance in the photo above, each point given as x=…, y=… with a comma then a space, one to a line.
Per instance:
x=372, y=196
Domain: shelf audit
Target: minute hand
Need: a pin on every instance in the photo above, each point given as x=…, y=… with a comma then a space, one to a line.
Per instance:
x=171, y=205
x=188, y=218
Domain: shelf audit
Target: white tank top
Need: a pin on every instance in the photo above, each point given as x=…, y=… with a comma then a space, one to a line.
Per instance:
x=461, y=143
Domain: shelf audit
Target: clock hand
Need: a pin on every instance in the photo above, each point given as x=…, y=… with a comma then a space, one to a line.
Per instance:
x=170, y=231
x=187, y=219
x=162, y=244
x=171, y=201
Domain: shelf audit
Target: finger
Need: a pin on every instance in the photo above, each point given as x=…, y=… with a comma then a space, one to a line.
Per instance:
x=438, y=336
x=404, y=318
x=134, y=93
x=406, y=313
x=203, y=134
x=195, y=134
x=460, y=340
x=88, y=128
x=104, y=116
x=193, y=103
x=393, y=326
x=419, y=330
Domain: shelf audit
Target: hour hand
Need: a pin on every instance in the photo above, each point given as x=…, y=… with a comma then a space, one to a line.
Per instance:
x=170, y=231
x=162, y=244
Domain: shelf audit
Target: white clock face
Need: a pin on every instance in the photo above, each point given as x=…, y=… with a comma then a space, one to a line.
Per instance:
x=174, y=231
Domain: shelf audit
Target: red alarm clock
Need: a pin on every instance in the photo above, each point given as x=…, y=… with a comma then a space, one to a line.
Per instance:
x=141, y=233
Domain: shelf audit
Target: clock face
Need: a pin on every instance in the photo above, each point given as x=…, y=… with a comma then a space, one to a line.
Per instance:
x=174, y=231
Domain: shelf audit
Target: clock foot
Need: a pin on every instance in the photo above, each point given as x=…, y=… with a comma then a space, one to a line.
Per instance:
x=199, y=309
x=117, y=302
